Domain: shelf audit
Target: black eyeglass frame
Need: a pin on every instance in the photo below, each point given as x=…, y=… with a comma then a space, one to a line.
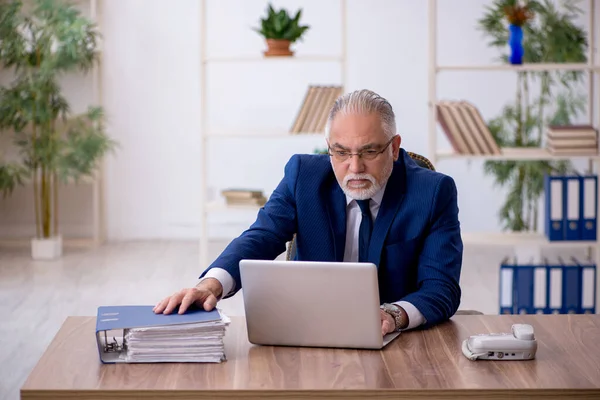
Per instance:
x=372, y=155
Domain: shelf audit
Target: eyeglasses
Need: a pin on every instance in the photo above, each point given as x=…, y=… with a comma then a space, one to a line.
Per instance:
x=367, y=154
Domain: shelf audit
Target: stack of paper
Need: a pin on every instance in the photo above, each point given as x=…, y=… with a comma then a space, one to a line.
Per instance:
x=193, y=342
x=195, y=336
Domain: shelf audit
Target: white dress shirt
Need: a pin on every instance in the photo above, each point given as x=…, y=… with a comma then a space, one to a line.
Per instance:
x=353, y=219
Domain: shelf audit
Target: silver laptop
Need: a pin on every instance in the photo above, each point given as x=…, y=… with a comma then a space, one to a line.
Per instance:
x=312, y=304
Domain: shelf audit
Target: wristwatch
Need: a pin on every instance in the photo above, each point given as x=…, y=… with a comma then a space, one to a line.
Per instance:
x=400, y=317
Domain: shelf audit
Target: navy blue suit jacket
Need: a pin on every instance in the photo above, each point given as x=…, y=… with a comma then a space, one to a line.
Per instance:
x=416, y=241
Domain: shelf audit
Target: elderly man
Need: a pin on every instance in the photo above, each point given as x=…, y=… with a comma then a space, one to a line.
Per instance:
x=365, y=201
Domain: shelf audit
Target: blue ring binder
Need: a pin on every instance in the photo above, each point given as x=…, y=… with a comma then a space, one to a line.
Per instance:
x=576, y=295
x=571, y=204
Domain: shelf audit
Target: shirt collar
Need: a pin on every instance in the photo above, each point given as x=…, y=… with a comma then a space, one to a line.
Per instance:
x=376, y=198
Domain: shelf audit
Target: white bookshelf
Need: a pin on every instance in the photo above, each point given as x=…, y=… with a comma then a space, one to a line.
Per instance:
x=254, y=135
x=216, y=205
x=513, y=153
x=259, y=58
x=522, y=239
x=96, y=183
x=592, y=67
x=519, y=68
x=211, y=206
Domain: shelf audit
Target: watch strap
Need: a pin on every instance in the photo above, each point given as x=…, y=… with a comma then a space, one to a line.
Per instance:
x=397, y=314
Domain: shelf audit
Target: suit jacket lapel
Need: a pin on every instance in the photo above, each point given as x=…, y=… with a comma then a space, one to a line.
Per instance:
x=392, y=198
x=336, y=208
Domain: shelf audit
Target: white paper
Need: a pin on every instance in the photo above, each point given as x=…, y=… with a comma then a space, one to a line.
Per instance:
x=194, y=342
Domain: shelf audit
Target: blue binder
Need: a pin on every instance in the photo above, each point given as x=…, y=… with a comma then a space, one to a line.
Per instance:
x=112, y=320
x=554, y=296
x=588, y=286
x=572, y=207
x=571, y=287
x=588, y=207
x=553, y=287
x=555, y=210
x=506, y=288
x=516, y=288
x=524, y=289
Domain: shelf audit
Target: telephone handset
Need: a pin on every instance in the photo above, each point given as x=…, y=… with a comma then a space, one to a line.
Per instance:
x=520, y=344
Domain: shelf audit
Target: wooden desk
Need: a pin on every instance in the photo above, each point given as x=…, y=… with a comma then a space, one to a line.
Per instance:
x=424, y=364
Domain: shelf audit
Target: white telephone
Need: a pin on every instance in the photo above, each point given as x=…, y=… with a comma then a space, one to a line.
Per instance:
x=520, y=344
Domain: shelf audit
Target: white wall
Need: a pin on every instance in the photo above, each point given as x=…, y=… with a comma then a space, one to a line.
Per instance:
x=152, y=94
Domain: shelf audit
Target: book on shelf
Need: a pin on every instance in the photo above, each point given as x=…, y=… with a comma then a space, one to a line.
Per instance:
x=241, y=193
x=571, y=203
x=553, y=286
x=135, y=334
x=465, y=128
x=244, y=197
x=576, y=140
x=247, y=202
x=313, y=113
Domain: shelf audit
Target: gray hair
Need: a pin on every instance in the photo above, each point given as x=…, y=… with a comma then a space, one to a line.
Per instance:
x=365, y=102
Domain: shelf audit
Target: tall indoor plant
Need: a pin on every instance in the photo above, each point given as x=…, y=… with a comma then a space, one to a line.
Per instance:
x=38, y=46
x=542, y=98
x=280, y=30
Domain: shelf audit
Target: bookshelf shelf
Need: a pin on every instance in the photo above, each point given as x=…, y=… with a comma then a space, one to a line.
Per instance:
x=220, y=206
x=516, y=153
x=522, y=239
x=520, y=68
x=282, y=134
x=276, y=59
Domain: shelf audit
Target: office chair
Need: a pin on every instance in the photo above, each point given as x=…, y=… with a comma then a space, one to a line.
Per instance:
x=421, y=161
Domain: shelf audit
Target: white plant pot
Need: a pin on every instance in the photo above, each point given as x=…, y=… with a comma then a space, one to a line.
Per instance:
x=46, y=249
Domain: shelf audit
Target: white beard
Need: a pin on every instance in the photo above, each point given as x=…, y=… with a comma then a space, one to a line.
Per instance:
x=360, y=193
x=367, y=192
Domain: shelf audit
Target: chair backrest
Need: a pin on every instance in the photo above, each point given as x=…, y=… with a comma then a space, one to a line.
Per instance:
x=421, y=161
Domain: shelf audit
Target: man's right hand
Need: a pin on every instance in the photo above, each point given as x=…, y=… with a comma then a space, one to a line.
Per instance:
x=204, y=295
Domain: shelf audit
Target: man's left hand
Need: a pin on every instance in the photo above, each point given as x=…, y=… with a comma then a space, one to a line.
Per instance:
x=388, y=325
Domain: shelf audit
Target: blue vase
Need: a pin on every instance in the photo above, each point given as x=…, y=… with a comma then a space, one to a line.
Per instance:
x=515, y=41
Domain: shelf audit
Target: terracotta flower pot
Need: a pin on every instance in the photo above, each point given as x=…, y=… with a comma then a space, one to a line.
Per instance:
x=278, y=47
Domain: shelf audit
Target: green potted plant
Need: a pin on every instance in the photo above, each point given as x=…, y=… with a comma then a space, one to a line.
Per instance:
x=51, y=144
x=280, y=31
